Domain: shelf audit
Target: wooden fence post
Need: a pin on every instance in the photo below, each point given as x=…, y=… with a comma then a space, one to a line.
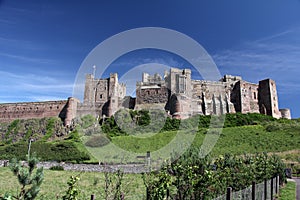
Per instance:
x=272, y=188
x=229, y=193
x=147, y=194
x=92, y=197
x=265, y=189
x=277, y=185
x=253, y=190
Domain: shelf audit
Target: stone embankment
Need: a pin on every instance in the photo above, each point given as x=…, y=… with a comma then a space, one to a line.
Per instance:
x=128, y=168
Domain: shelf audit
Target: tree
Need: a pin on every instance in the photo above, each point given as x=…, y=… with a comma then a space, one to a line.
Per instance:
x=30, y=182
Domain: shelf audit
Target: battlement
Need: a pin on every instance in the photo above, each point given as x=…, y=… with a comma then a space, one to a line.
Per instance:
x=177, y=93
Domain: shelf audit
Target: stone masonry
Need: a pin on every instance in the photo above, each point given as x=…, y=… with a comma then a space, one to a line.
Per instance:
x=176, y=93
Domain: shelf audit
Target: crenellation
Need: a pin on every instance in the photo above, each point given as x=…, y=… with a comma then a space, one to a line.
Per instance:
x=176, y=93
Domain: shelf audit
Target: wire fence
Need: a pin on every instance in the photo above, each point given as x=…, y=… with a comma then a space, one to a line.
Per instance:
x=265, y=190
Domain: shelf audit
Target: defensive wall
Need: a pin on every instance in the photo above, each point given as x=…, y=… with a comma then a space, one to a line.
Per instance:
x=176, y=93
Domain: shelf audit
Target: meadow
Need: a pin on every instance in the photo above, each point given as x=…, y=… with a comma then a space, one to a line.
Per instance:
x=242, y=134
x=55, y=184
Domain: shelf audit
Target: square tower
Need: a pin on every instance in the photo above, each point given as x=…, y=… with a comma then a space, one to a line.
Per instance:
x=268, y=99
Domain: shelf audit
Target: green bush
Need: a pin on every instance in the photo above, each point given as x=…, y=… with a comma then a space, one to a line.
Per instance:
x=110, y=127
x=57, y=168
x=87, y=121
x=97, y=141
x=273, y=127
x=191, y=177
x=45, y=151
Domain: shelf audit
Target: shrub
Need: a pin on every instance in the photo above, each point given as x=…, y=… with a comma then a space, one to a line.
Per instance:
x=191, y=177
x=97, y=141
x=57, y=168
x=87, y=121
x=273, y=127
x=45, y=151
x=30, y=183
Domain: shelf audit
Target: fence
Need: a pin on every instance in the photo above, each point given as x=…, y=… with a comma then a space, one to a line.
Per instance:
x=261, y=191
x=265, y=190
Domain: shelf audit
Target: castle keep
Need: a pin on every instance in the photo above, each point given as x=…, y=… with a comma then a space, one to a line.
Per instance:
x=176, y=93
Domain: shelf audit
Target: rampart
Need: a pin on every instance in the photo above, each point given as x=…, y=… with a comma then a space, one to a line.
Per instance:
x=64, y=109
x=176, y=93
x=11, y=111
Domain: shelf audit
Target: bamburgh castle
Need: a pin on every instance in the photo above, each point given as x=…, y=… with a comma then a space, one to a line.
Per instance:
x=176, y=92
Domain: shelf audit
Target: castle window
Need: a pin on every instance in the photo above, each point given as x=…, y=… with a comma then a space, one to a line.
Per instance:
x=181, y=83
x=254, y=95
x=101, y=96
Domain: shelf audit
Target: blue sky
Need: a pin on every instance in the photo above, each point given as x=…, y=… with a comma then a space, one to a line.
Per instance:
x=43, y=43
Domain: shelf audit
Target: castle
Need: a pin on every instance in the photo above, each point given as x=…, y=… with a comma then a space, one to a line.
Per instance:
x=176, y=93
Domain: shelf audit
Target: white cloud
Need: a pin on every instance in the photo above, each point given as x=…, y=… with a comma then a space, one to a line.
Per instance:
x=276, y=56
x=32, y=87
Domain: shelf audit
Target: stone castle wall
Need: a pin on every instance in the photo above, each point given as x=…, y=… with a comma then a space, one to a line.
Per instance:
x=176, y=93
x=11, y=111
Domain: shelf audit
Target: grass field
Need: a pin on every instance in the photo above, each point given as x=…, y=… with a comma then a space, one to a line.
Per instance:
x=288, y=192
x=234, y=140
x=55, y=184
x=282, y=139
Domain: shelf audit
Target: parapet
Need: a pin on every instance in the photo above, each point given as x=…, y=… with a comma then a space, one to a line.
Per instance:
x=230, y=78
x=285, y=113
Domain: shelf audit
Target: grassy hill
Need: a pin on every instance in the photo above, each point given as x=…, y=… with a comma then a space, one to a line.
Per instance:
x=243, y=133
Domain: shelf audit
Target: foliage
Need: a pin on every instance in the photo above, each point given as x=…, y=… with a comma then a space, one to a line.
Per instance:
x=132, y=122
x=73, y=190
x=74, y=136
x=30, y=183
x=288, y=192
x=191, y=177
x=87, y=121
x=58, y=151
x=55, y=185
x=113, y=185
x=57, y=168
x=171, y=124
x=97, y=141
x=111, y=128
x=37, y=129
x=49, y=128
x=126, y=122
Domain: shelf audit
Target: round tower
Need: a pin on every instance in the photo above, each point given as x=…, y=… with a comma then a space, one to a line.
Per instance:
x=285, y=113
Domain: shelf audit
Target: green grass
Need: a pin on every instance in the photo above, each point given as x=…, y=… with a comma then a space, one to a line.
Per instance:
x=55, y=184
x=288, y=192
x=59, y=150
x=234, y=140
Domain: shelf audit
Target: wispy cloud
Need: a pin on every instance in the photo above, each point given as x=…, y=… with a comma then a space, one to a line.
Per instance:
x=32, y=87
x=276, y=56
x=29, y=58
